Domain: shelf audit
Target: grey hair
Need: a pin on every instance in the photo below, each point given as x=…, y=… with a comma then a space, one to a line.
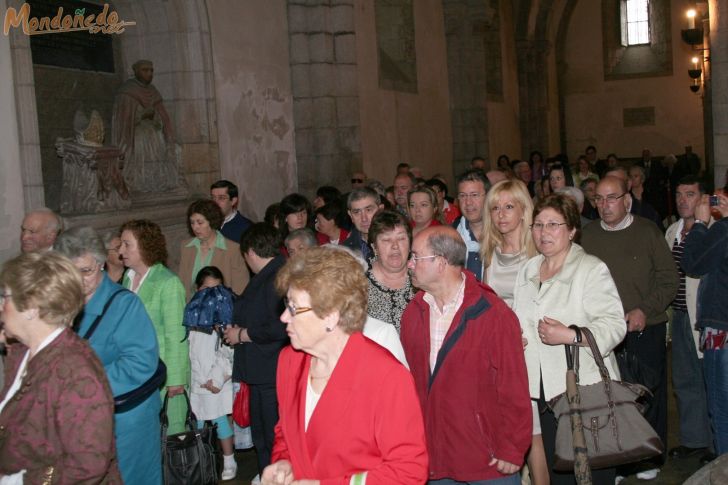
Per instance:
x=574, y=193
x=81, y=240
x=354, y=254
x=55, y=222
x=641, y=170
x=377, y=186
x=448, y=245
x=305, y=234
x=362, y=193
x=108, y=236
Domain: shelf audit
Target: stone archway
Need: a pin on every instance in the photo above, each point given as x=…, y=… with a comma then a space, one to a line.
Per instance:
x=540, y=29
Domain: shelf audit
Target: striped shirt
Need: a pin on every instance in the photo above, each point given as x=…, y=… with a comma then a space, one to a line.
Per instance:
x=440, y=320
x=679, y=303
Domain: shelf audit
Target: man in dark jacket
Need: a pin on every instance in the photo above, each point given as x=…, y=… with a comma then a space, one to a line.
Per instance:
x=258, y=334
x=706, y=255
x=463, y=345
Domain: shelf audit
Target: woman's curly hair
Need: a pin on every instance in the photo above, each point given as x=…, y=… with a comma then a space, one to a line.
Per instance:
x=152, y=244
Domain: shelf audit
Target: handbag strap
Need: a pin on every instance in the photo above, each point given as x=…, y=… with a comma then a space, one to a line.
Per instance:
x=92, y=328
x=190, y=419
x=596, y=353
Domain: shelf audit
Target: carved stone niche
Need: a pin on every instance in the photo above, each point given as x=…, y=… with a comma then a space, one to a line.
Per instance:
x=92, y=173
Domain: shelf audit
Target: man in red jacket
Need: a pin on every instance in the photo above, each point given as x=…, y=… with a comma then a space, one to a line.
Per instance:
x=464, y=348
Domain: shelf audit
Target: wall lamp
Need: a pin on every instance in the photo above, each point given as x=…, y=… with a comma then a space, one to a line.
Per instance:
x=695, y=38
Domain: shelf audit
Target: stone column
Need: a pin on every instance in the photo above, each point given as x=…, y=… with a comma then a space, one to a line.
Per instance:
x=533, y=87
x=325, y=92
x=465, y=23
x=11, y=181
x=719, y=80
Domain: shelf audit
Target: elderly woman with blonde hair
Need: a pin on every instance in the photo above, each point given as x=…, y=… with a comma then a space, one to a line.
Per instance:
x=56, y=408
x=348, y=408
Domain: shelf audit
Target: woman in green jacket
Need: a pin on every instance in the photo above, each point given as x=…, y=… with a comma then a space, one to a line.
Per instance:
x=144, y=251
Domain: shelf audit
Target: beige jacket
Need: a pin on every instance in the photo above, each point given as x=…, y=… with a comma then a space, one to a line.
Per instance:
x=582, y=293
x=228, y=260
x=691, y=284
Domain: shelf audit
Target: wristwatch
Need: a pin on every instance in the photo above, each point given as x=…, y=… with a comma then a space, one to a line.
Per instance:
x=698, y=221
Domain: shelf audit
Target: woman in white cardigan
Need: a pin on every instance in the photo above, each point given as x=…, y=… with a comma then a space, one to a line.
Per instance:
x=564, y=286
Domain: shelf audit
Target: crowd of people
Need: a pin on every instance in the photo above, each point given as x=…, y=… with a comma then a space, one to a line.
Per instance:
x=386, y=334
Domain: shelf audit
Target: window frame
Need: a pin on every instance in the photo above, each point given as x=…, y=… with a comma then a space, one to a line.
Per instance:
x=625, y=24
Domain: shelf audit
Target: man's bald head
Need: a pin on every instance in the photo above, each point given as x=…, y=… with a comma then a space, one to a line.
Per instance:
x=39, y=230
x=445, y=241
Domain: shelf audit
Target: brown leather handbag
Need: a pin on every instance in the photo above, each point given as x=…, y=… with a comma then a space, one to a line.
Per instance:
x=615, y=431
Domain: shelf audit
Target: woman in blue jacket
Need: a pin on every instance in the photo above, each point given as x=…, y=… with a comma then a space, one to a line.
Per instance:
x=126, y=344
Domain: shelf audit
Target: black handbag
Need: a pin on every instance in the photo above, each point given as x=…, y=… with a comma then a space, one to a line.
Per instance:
x=633, y=370
x=188, y=457
x=616, y=433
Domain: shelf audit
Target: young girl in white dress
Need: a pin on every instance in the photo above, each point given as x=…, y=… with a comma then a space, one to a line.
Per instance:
x=211, y=387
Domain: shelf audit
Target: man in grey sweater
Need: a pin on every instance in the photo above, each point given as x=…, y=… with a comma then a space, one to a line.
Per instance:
x=641, y=264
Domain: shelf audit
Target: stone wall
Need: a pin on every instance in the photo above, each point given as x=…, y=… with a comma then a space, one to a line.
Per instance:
x=718, y=81
x=252, y=83
x=466, y=24
x=594, y=108
x=399, y=126
x=325, y=98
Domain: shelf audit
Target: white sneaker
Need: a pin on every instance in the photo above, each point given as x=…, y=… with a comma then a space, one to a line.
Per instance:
x=648, y=474
x=229, y=473
x=618, y=479
x=255, y=480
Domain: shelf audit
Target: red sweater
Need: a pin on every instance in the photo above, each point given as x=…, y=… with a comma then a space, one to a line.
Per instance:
x=476, y=405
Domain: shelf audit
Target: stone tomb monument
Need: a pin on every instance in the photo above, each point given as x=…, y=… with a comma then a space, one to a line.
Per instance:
x=92, y=173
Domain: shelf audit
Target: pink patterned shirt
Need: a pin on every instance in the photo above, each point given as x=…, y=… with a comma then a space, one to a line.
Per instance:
x=440, y=320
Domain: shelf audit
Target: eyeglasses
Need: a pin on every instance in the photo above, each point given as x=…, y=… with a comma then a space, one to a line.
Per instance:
x=89, y=271
x=472, y=195
x=357, y=181
x=610, y=199
x=293, y=310
x=414, y=258
x=550, y=226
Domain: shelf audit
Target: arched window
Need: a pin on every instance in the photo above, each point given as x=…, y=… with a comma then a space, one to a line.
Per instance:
x=635, y=18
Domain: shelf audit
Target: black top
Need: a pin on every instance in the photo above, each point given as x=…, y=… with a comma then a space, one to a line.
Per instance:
x=259, y=310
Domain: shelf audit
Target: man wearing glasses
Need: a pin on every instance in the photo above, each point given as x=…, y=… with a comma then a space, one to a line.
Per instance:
x=463, y=345
x=225, y=194
x=641, y=264
x=472, y=186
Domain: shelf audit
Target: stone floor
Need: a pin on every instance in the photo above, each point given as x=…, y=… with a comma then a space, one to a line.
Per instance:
x=675, y=472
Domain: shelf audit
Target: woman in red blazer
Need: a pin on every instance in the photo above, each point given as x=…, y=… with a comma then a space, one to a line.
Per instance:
x=348, y=409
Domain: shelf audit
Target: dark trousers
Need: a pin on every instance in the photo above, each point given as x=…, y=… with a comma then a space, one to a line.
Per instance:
x=548, y=434
x=651, y=351
x=688, y=384
x=263, y=418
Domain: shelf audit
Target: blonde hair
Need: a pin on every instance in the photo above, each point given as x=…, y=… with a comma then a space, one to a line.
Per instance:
x=333, y=279
x=47, y=281
x=491, y=237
